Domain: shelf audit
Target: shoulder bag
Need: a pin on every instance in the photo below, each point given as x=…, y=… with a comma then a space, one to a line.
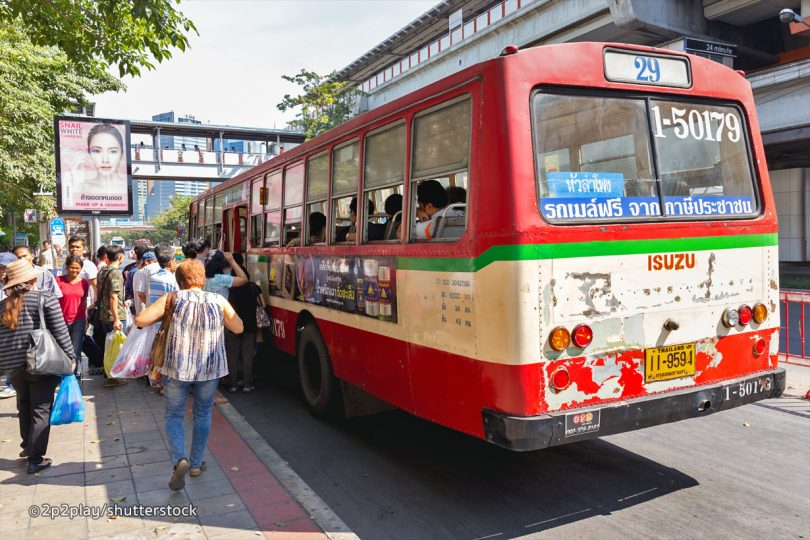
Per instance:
x=262, y=320
x=44, y=355
x=158, y=351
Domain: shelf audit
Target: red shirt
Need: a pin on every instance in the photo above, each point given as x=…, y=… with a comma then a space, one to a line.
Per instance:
x=74, y=298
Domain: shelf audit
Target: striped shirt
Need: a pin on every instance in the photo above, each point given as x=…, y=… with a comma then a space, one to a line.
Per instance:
x=160, y=283
x=195, y=348
x=14, y=343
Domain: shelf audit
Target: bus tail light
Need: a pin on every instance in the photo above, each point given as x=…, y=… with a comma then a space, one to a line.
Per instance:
x=582, y=336
x=560, y=379
x=760, y=313
x=731, y=317
x=746, y=314
x=759, y=347
x=559, y=339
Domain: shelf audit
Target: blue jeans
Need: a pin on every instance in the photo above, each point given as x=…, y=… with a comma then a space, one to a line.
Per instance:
x=76, y=329
x=175, y=394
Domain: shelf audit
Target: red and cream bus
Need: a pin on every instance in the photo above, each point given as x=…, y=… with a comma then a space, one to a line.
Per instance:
x=609, y=264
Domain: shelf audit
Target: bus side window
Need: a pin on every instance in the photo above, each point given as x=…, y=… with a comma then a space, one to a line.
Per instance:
x=440, y=165
x=345, y=175
x=384, y=177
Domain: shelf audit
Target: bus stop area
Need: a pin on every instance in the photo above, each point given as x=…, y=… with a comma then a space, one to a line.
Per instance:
x=117, y=462
x=110, y=476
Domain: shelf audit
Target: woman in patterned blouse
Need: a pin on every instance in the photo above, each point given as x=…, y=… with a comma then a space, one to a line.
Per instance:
x=195, y=361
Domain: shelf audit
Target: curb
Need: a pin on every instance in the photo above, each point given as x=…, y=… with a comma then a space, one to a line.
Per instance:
x=334, y=527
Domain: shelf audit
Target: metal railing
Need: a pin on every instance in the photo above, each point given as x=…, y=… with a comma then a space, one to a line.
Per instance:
x=794, y=311
x=469, y=28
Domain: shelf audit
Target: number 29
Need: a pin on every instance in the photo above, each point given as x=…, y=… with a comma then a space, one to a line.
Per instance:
x=648, y=69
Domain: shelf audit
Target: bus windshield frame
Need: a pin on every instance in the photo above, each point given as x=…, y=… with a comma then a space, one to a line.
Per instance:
x=662, y=132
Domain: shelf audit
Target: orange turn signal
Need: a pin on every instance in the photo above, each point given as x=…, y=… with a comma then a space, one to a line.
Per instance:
x=559, y=339
x=760, y=313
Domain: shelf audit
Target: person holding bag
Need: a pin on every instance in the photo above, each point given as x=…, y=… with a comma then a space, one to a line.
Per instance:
x=192, y=360
x=240, y=347
x=33, y=375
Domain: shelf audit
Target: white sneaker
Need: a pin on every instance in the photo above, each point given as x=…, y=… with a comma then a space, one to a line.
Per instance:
x=7, y=393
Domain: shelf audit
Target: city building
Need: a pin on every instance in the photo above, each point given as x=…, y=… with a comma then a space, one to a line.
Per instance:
x=747, y=35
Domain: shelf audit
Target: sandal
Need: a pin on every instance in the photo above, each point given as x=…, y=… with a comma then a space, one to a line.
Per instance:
x=178, y=479
x=197, y=472
x=248, y=389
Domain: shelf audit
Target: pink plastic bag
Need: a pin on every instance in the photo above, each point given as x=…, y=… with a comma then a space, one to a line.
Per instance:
x=133, y=359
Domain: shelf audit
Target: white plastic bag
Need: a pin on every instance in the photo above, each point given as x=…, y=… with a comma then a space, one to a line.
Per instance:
x=133, y=359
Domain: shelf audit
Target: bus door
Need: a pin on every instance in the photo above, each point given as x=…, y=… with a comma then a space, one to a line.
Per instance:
x=235, y=230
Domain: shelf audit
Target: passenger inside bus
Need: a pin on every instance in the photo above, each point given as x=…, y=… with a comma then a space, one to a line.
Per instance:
x=456, y=194
x=376, y=231
x=317, y=228
x=393, y=208
x=432, y=201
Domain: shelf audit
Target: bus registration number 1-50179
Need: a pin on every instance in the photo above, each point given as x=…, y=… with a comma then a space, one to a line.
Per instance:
x=670, y=362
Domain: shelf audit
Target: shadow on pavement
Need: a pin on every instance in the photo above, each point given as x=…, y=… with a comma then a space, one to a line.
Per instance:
x=396, y=476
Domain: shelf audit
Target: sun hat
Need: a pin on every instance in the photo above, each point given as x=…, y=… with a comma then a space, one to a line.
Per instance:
x=7, y=258
x=149, y=255
x=20, y=271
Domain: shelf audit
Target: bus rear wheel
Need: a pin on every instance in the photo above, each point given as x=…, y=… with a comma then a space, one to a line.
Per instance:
x=319, y=385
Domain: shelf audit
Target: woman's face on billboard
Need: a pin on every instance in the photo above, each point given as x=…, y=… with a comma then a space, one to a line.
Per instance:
x=106, y=153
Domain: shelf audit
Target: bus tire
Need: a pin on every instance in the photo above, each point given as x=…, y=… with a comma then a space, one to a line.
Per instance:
x=320, y=387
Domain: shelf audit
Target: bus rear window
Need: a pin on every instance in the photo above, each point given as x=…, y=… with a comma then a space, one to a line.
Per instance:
x=608, y=158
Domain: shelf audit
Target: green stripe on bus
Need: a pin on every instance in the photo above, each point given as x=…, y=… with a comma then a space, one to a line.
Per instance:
x=533, y=252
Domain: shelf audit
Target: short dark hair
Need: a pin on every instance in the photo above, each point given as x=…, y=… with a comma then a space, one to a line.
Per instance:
x=431, y=191
x=45, y=242
x=74, y=239
x=190, y=250
x=456, y=194
x=113, y=252
x=139, y=250
x=164, y=256
x=102, y=252
x=393, y=204
x=317, y=221
x=353, y=206
x=17, y=248
x=70, y=259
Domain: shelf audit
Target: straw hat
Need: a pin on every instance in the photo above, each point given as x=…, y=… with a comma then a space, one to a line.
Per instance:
x=20, y=271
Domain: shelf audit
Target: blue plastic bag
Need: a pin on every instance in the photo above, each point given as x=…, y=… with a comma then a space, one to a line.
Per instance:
x=68, y=407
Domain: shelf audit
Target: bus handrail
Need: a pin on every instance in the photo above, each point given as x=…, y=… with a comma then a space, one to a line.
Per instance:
x=788, y=327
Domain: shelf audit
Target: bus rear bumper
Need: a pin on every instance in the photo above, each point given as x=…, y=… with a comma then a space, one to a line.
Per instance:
x=534, y=432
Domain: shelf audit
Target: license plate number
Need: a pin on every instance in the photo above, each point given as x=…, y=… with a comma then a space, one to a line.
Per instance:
x=670, y=362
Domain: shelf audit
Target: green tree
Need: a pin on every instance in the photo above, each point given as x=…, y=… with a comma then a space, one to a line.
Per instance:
x=35, y=84
x=323, y=104
x=94, y=34
x=55, y=53
x=166, y=223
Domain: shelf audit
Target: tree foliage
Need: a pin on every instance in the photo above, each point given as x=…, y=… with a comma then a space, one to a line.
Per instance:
x=166, y=223
x=93, y=34
x=35, y=84
x=53, y=54
x=323, y=104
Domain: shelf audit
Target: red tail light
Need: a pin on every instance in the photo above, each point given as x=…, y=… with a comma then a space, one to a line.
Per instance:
x=746, y=314
x=582, y=336
x=759, y=347
x=560, y=379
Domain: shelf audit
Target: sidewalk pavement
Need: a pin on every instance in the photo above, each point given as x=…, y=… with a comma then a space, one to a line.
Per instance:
x=798, y=379
x=119, y=457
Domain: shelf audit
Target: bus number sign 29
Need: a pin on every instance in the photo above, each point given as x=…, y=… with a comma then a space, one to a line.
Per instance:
x=648, y=69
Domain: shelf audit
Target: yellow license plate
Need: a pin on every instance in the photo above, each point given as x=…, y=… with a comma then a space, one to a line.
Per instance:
x=670, y=362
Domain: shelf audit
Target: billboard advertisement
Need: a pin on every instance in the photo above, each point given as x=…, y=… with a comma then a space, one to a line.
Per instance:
x=93, y=169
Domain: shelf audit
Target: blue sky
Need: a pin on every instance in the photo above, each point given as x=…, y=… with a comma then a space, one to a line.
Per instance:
x=232, y=73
